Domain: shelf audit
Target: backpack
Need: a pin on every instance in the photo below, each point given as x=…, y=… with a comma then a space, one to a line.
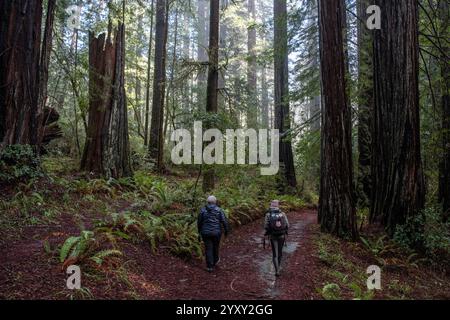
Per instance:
x=277, y=223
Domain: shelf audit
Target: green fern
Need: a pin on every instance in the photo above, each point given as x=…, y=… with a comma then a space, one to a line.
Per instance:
x=66, y=248
x=99, y=257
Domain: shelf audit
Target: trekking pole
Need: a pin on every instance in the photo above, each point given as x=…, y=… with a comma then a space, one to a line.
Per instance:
x=264, y=242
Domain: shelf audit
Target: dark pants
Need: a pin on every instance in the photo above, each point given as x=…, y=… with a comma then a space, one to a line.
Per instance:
x=211, y=250
x=277, y=243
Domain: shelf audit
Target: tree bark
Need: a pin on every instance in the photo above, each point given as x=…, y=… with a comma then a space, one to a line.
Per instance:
x=398, y=186
x=365, y=106
x=159, y=85
x=20, y=41
x=149, y=68
x=336, y=203
x=444, y=168
x=107, y=149
x=213, y=80
x=282, y=116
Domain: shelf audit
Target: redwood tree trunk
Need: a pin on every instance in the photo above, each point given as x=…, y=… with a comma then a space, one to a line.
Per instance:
x=213, y=79
x=106, y=150
x=20, y=41
x=398, y=186
x=159, y=85
x=336, y=203
x=365, y=106
x=444, y=169
x=282, y=116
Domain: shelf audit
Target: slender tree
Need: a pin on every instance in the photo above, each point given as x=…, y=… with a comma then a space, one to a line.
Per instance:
x=149, y=68
x=398, y=186
x=213, y=79
x=159, y=85
x=46, y=50
x=282, y=116
x=252, y=97
x=202, y=39
x=336, y=203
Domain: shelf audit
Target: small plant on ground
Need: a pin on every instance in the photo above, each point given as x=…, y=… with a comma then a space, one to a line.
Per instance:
x=87, y=247
x=331, y=291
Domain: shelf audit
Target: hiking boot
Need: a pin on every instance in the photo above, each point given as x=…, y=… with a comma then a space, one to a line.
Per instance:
x=209, y=270
x=217, y=262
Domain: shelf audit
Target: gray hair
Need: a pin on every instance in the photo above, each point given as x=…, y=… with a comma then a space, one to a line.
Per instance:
x=212, y=200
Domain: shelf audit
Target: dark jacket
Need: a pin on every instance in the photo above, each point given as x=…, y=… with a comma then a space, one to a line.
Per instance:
x=210, y=220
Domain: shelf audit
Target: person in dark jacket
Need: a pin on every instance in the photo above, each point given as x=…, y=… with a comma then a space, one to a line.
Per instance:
x=210, y=222
x=276, y=226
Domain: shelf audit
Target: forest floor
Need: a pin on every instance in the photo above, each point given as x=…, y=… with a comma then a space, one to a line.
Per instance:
x=37, y=219
x=312, y=261
x=245, y=270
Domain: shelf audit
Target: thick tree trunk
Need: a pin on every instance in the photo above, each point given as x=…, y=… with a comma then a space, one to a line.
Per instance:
x=20, y=41
x=398, y=186
x=444, y=168
x=159, y=85
x=336, y=203
x=106, y=149
x=365, y=106
x=149, y=68
x=282, y=116
x=213, y=80
x=252, y=97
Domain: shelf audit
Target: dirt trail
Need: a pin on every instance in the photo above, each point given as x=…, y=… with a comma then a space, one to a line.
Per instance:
x=244, y=273
x=245, y=270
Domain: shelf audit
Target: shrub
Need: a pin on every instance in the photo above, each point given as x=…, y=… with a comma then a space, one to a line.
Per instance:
x=19, y=163
x=428, y=230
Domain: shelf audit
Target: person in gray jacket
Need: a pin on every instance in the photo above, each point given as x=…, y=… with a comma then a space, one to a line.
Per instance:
x=276, y=226
x=210, y=222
